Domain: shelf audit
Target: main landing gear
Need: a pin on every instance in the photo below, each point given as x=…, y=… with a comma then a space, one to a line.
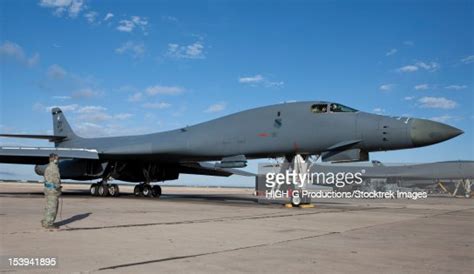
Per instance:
x=103, y=189
x=112, y=170
x=146, y=190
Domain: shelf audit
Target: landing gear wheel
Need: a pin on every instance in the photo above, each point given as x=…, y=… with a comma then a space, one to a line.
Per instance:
x=94, y=190
x=156, y=191
x=137, y=191
x=296, y=200
x=114, y=190
x=103, y=190
x=146, y=191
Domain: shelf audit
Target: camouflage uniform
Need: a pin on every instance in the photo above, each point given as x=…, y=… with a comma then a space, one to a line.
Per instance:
x=52, y=191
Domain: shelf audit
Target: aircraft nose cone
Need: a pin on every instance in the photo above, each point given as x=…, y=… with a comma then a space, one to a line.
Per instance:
x=426, y=132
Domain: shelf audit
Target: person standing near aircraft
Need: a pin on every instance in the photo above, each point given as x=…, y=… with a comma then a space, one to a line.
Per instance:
x=52, y=191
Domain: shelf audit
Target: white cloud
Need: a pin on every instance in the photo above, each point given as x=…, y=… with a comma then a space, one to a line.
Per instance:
x=41, y=107
x=127, y=88
x=75, y=8
x=437, y=102
x=391, y=52
x=72, y=7
x=251, y=79
x=170, y=19
x=468, y=59
x=408, y=98
x=57, y=81
x=456, y=87
x=89, y=129
x=136, y=97
x=86, y=93
x=164, y=90
x=379, y=110
x=408, y=68
x=191, y=51
x=160, y=105
x=216, y=107
x=134, y=22
x=14, y=51
x=126, y=26
x=94, y=120
x=123, y=116
x=91, y=16
x=33, y=60
x=56, y=72
x=61, y=97
x=134, y=49
x=65, y=107
x=421, y=87
x=108, y=16
x=91, y=109
x=429, y=66
x=408, y=43
x=194, y=50
x=386, y=87
x=274, y=84
x=92, y=114
x=96, y=114
x=259, y=80
x=444, y=118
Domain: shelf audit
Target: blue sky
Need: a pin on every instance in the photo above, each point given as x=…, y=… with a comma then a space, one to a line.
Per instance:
x=123, y=67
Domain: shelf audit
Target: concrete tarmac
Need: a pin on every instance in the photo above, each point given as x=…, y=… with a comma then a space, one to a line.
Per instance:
x=209, y=230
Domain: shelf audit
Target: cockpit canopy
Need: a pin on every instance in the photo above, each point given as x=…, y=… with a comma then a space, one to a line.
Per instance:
x=331, y=107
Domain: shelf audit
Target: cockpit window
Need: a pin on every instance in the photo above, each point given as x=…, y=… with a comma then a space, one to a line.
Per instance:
x=340, y=108
x=319, y=108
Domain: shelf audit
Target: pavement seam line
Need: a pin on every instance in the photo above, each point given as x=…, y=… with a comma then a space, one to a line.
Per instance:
x=213, y=252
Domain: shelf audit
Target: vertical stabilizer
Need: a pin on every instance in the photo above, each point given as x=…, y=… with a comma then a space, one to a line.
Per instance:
x=61, y=127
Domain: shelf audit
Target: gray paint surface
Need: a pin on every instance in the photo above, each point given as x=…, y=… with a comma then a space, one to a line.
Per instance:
x=254, y=133
x=273, y=131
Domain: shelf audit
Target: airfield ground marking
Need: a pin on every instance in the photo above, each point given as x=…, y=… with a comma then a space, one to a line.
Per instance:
x=271, y=243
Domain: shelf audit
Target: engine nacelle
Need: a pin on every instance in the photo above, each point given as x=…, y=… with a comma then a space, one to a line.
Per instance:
x=130, y=172
x=76, y=169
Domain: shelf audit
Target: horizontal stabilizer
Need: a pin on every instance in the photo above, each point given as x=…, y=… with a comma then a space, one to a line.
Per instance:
x=40, y=155
x=51, y=138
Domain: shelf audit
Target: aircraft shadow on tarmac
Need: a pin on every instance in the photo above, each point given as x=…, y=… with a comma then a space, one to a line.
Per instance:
x=72, y=219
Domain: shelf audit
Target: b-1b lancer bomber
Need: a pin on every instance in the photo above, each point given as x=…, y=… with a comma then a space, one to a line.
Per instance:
x=335, y=132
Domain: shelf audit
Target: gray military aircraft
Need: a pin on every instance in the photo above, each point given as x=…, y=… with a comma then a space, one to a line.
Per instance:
x=333, y=131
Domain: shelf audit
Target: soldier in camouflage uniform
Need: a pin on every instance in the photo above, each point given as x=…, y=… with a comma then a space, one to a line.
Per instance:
x=52, y=191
